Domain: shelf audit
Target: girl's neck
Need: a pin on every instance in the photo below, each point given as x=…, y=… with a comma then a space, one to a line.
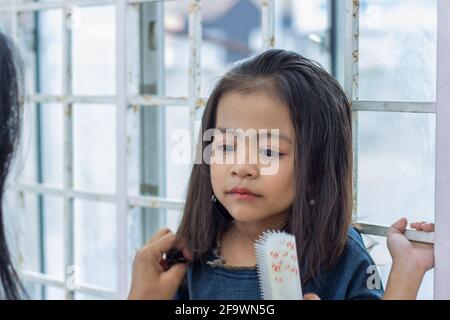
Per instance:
x=237, y=241
x=250, y=231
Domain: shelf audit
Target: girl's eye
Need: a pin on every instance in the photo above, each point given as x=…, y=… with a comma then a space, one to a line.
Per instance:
x=267, y=152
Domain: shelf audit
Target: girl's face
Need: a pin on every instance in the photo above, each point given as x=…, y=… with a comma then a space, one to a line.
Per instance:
x=274, y=192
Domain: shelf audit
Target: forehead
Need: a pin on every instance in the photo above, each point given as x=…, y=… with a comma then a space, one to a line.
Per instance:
x=253, y=111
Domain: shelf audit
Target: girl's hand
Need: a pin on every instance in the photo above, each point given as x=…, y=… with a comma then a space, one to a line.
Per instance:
x=149, y=280
x=410, y=261
x=405, y=252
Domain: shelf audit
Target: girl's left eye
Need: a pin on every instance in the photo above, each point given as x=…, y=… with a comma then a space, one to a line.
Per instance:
x=271, y=153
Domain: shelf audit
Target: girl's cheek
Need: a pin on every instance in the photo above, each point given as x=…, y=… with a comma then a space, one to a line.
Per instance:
x=218, y=173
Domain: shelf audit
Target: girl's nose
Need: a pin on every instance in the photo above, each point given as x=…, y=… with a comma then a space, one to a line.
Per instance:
x=248, y=171
x=246, y=161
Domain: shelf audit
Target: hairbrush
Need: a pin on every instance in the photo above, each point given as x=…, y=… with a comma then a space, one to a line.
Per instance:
x=277, y=265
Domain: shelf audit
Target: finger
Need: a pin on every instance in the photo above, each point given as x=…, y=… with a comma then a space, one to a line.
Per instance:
x=169, y=241
x=428, y=227
x=187, y=253
x=311, y=296
x=159, y=234
x=398, y=227
x=417, y=226
x=175, y=273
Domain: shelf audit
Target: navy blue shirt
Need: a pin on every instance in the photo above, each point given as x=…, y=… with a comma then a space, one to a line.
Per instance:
x=352, y=277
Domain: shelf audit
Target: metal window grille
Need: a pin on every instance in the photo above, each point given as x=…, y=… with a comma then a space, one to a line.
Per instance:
x=123, y=100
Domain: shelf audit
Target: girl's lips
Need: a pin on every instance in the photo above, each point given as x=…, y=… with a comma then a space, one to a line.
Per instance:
x=244, y=196
x=243, y=193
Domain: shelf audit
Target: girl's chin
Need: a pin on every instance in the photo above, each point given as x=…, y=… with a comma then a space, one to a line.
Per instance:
x=245, y=216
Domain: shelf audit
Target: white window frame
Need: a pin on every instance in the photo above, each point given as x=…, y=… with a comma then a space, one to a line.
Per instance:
x=442, y=196
x=123, y=100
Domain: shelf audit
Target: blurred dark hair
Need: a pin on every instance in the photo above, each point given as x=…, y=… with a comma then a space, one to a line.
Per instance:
x=10, y=111
x=321, y=117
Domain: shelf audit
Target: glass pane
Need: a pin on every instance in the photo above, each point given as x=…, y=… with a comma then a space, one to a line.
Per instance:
x=51, y=147
x=396, y=166
x=26, y=49
x=231, y=32
x=94, y=51
x=178, y=156
x=395, y=177
x=173, y=219
x=178, y=163
x=26, y=164
x=38, y=291
x=176, y=42
x=303, y=26
x=95, y=243
x=94, y=136
x=5, y=23
x=34, y=290
x=52, y=293
x=84, y=296
x=50, y=51
x=398, y=50
x=29, y=244
x=53, y=236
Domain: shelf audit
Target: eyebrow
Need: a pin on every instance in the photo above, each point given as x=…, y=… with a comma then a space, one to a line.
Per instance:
x=281, y=135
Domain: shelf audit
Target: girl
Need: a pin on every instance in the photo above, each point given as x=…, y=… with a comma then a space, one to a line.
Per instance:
x=229, y=204
x=410, y=262
x=9, y=132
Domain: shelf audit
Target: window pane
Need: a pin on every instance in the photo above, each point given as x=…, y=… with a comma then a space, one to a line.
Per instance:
x=53, y=236
x=94, y=51
x=25, y=46
x=5, y=23
x=94, y=147
x=303, y=26
x=396, y=166
x=173, y=219
x=27, y=166
x=33, y=289
x=28, y=244
x=395, y=176
x=85, y=296
x=176, y=47
x=50, y=52
x=178, y=160
x=95, y=243
x=52, y=293
x=51, y=147
x=231, y=32
x=398, y=50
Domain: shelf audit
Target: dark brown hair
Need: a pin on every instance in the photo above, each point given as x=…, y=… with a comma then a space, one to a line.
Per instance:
x=321, y=117
x=10, y=117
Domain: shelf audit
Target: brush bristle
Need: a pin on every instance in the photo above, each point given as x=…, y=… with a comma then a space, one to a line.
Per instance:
x=263, y=266
x=270, y=241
